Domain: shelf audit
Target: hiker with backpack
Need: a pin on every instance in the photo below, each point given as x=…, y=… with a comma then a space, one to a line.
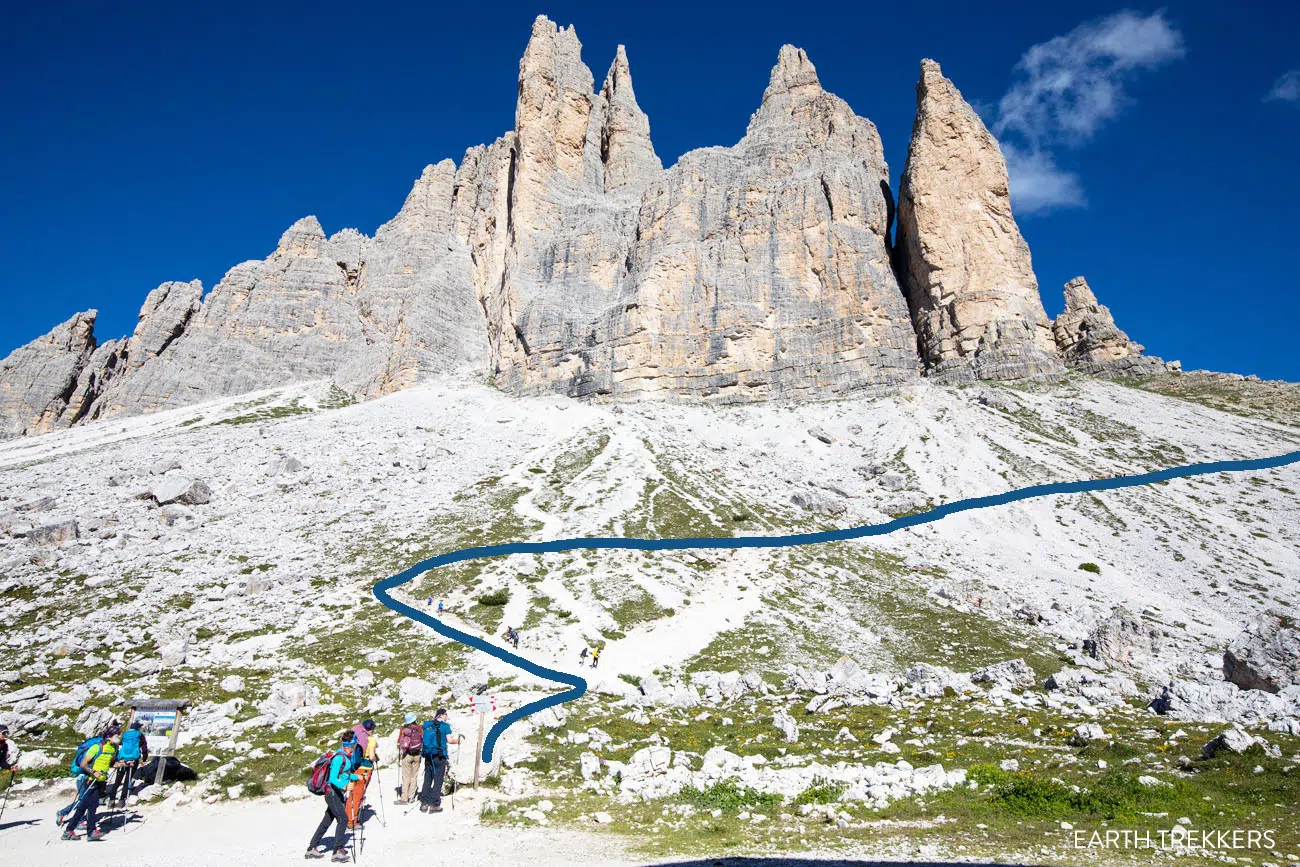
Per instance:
x=8, y=752
x=363, y=766
x=133, y=752
x=595, y=656
x=8, y=758
x=410, y=742
x=95, y=765
x=331, y=776
x=83, y=780
x=435, y=736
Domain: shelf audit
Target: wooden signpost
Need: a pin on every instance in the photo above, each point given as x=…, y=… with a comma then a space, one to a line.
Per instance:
x=160, y=720
x=481, y=705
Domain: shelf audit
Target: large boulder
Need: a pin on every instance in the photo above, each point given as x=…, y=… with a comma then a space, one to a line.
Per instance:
x=1124, y=640
x=1012, y=674
x=54, y=534
x=1266, y=655
x=175, y=488
x=415, y=692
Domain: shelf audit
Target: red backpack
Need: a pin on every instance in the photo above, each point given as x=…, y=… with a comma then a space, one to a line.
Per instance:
x=320, y=773
x=409, y=740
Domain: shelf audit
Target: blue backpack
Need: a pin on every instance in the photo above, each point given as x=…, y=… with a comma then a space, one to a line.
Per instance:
x=86, y=746
x=431, y=743
x=130, y=750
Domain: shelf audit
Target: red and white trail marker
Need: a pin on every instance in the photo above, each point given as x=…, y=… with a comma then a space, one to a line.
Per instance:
x=482, y=704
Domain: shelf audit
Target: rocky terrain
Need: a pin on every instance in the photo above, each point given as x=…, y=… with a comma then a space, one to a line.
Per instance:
x=837, y=695
x=563, y=257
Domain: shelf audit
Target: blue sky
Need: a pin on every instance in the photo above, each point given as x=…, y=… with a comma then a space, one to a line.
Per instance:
x=1154, y=146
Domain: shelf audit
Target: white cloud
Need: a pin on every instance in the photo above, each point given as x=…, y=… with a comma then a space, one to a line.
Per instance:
x=1038, y=184
x=1066, y=88
x=1286, y=88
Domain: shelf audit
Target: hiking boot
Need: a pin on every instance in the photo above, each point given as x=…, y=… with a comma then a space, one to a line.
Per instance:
x=70, y=835
x=315, y=853
x=436, y=808
x=95, y=836
x=424, y=808
x=340, y=856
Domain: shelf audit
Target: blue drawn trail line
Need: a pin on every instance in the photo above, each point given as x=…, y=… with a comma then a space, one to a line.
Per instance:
x=578, y=686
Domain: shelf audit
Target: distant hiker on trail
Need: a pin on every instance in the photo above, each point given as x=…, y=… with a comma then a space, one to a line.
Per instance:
x=331, y=776
x=436, y=735
x=410, y=741
x=582, y=657
x=75, y=770
x=363, y=765
x=512, y=637
x=595, y=656
x=8, y=751
x=95, y=764
x=134, y=751
x=441, y=608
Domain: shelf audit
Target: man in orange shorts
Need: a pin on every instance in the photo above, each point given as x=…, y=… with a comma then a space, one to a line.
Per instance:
x=368, y=744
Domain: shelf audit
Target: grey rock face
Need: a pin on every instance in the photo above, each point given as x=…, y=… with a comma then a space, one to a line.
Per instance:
x=755, y=271
x=1089, y=340
x=966, y=268
x=38, y=381
x=1266, y=656
x=371, y=314
x=1123, y=639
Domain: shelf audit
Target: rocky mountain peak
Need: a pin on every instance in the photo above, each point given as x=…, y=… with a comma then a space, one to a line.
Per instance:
x=428, y=205
x=966, y=268
x=303, y=238
x=1079, y=296
x=38, y=380
x=1088, y=338
x=626, y=150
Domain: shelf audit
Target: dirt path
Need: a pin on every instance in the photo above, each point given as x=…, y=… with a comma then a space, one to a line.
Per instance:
x=272, y=832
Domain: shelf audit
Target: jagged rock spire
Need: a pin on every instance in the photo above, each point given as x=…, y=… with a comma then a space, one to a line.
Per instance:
x=37, y=380
x=1089, y=340
x=626, y=151
x=966, y=268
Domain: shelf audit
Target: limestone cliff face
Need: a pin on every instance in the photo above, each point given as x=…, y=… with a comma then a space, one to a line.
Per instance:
x=1089, y=340
x=748, y=272
x=966, y=268
x=563, y=257
x=373, y=314
x=38, y=380
x=762, y=270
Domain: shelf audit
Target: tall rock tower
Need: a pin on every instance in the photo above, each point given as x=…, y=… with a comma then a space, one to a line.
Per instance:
x=965, y=267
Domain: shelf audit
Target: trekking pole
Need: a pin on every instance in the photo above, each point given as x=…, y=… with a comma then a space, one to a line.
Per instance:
x=383, y=812
x=8, y=789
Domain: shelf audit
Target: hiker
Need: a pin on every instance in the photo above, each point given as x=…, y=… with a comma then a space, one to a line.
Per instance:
x=512, y=635
x=338, y=777
x=8, y=752
x=409, y=744
x=95, y=764
x=595, y=656
x=133, y=752
x=582, y=657
x=8, y=756
x=440, y=606
x=75, y=770
x=363, y=765
x=435, y=736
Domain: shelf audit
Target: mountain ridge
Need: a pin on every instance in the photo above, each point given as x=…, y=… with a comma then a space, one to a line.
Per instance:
x=565, y=257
